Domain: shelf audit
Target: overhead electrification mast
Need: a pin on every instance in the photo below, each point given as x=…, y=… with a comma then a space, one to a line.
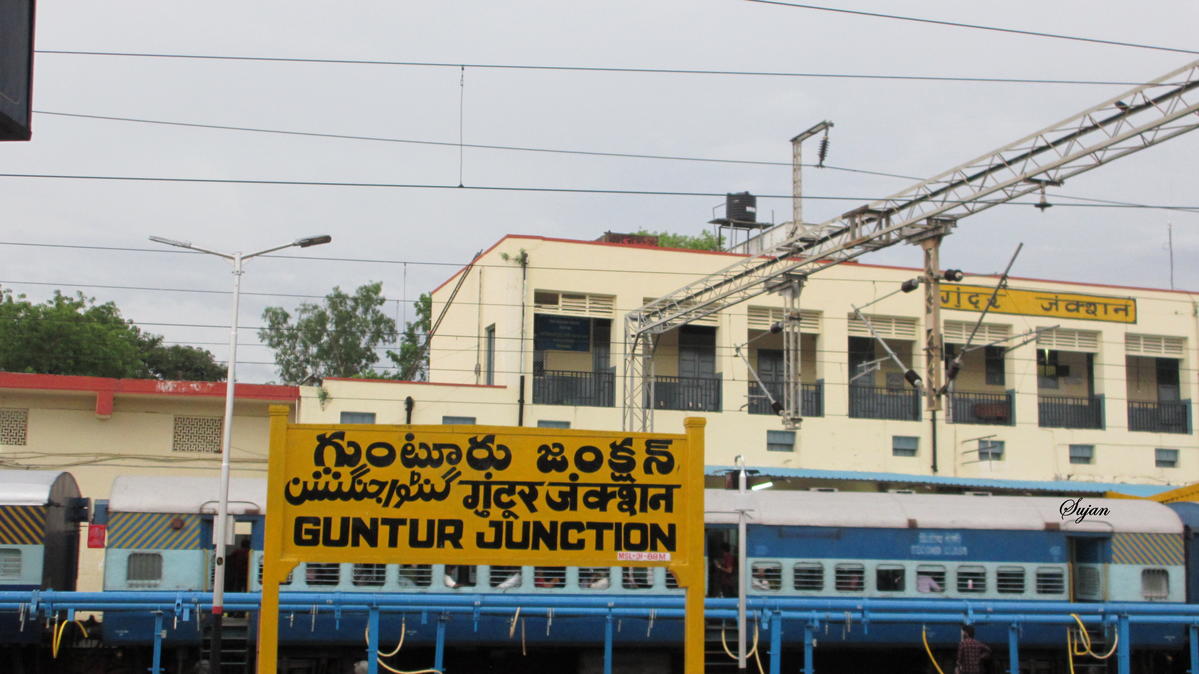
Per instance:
x=1139, y=118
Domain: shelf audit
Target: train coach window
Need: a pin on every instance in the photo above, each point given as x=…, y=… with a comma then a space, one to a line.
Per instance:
x=418, y=575
x=1009, y=580
x=504, y=577
x=1155, y=584
x=1050, y=581
x=549, y=576
x=10, y=563
x=636, y=578
x=767, y=576
x=457, y=575
x=594, y=578
x=672, y=581
x=888, y=578
x=850, y=577
x=322, y=574
x=144, y=569
x=808, y=576
x=972, y=579
x=930, y=578
x=368, y=575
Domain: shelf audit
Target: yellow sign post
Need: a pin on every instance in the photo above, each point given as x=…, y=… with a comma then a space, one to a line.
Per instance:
x=485, y=495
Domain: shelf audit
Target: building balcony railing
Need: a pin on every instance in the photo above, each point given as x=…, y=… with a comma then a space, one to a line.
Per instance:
x=877, y=402
x=1067, y=412
x=983, y=408
x=566, y=387
x=1172, y=416
x=811, y=402
x=693, y=394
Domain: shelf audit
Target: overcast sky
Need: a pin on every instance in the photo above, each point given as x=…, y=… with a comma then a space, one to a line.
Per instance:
x=412, y=238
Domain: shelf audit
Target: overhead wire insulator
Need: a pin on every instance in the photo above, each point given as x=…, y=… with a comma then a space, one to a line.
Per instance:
x=953, y=275
x=822, y=153
x=910, y=285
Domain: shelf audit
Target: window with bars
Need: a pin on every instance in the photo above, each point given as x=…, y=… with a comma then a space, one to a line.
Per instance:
x=549, y=577
x=197, y=434
x=1009, y=580
x=504, y=577
x=766, y=576
x=418, y=575
x=808, y=576
x=143, y=569
x=319, y=575
x=1051, y=581
x=14, y=425
x=850, y=578
x=459, y=575
x=904, y=445
x=1082, y=453
x=594, y=578
x=1165, y=458
x=930, y=578
x=636, y=578
x=368, y=575
x=972, y=579
x=1155, y=584
x=990, y=450
x=10, y=563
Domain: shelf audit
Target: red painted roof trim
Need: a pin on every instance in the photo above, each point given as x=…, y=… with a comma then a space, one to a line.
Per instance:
x=110, y=386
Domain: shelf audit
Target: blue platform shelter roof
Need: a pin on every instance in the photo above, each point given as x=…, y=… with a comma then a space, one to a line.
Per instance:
x=1062, y=486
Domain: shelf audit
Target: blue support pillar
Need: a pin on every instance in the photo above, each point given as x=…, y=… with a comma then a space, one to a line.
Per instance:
x=156, y=661
x=372, y=642
x=776, y=643
x=439, y=648
x=809, y=667
x=1124, y=650
x=608, y=645
x=1013, y=648
x=1193, y=631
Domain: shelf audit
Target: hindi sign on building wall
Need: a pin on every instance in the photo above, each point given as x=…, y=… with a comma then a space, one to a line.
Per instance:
x=480, y=495
x=1040, y=303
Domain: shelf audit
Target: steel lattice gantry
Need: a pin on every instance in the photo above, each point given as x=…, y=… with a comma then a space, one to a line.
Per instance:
x=1136, y=119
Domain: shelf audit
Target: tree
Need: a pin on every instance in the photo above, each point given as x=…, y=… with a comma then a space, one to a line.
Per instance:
x=412, y=362
x=705, y=240
x=338, y=338
x=73, y=335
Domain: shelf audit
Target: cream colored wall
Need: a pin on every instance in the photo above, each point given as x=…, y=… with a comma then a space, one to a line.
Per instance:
x=64, y=433
x=488, y=404
x=835, y=442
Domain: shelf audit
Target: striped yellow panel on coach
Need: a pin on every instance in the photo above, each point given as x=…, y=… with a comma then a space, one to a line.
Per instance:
x=22, y=525
x=1149, y=549
x=154, y=531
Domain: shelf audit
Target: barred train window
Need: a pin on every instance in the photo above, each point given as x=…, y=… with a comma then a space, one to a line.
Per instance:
x=1050, y=581
x=767, y=576
x=972, y=579
x=197, y=434
x=368, y=575
x=930, y=578
x=144, y=569
x=1155, y=584
x=504, y=577
x=594, y=578
x=850, y=577
x=1009, y=580
x=549, y=577
x=635, y=578
x=808, y=576
x=419, y=575
x=322, y=574
x=10, y=563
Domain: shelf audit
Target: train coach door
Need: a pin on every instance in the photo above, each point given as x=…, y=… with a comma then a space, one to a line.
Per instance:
x=1089, y=557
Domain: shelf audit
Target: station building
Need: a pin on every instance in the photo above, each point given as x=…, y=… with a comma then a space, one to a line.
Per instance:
x=1063, y=387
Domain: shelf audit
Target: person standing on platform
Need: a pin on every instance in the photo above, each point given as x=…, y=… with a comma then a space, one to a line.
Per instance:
x=971, y=653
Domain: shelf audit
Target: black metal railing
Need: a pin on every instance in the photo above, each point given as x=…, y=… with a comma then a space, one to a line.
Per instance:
x=878, y=402
x=694, y=394
x=1067, y=412
x=1172, y=416
x=983, y=408
x=811, y=402
x=565, y=387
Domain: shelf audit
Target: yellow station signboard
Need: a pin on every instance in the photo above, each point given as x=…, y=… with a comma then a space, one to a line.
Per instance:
x=481, y=495
x=1039, y=303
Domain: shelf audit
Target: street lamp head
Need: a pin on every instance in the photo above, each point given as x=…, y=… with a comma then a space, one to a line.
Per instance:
x=313, y=240
x=171, y=242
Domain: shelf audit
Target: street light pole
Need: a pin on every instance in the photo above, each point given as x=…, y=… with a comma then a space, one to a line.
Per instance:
x=220, y=531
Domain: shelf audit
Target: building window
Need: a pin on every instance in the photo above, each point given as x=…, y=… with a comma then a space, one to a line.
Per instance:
x=547, y=423
x=10, y=563
x=357, y=417
x=489, y=356
x=780, y=441
x=990, y=450
x=458, y=421
x=904, y=445
x=1165, y=458
x=994, y=365
x=1082, y=453
x=197, y=434
x=143, y=569
x=13, y=425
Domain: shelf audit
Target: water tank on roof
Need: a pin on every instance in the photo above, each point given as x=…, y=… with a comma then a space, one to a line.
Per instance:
x=741, y=209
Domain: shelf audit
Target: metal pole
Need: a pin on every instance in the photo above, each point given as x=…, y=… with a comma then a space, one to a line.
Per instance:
x=156, y=659
x=776, y=643
x=1193, y=632
x=741, y=560
x=220, y=534
x=439, y=648
x=608, y=645
x=1124, y=648
x=809, y=667
x=1013, y=648
x=372, y=642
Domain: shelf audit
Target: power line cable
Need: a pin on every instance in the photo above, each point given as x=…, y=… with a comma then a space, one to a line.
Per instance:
x=599, y=69
x=972, y=26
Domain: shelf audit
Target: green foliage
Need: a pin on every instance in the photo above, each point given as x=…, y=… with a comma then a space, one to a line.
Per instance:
x=73, y=335
x=338, y=338
x=705, y=240
x=411, y=363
